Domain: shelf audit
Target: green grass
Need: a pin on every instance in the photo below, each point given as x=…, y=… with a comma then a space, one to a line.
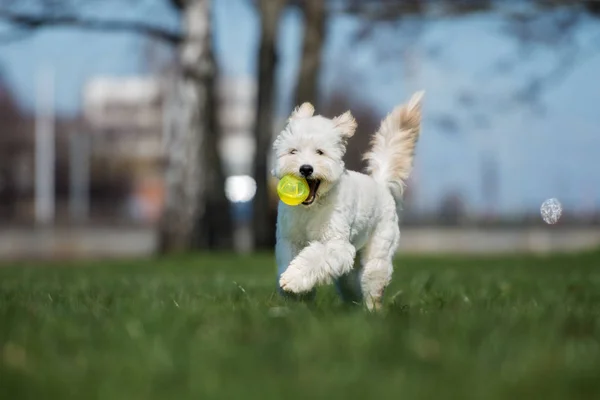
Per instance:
x=207, y=327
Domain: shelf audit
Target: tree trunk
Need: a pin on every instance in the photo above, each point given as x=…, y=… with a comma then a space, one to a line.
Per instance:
x=195, y=196
x=263, y=215
x=314, y=37
x=215, y=227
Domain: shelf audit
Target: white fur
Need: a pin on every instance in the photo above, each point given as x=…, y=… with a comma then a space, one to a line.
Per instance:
x=354, y=215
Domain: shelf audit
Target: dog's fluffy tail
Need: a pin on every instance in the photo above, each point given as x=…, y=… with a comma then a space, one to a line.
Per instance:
x=390, y=159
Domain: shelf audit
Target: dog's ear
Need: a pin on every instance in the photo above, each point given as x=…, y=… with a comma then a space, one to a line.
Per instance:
x=305, y=110
x=346, y=124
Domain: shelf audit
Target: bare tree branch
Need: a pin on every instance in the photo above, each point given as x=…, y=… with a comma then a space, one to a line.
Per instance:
x=382, y=10
x=14, y=36
x=35, y=22
x=549, y=25
x=386, y=10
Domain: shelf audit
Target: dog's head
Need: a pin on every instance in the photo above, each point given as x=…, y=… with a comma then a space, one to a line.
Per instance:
x=312, y=147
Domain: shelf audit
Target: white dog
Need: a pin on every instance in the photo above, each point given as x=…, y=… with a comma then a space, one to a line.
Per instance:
x=347, y=214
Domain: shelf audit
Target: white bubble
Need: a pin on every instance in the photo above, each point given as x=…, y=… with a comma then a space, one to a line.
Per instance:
x=551, y=211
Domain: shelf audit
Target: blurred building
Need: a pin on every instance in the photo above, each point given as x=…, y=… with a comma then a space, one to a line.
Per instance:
x=124, y=122
x=125, y=114
x=16, y=157
x=237, y=98
x=124, y=119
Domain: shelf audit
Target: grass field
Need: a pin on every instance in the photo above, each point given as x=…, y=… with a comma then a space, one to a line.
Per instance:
x=208, y=327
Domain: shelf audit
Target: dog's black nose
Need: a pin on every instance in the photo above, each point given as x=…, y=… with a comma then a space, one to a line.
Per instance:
x=306, y=170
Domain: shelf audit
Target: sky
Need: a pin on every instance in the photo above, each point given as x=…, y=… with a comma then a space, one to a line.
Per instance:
x=539, y=155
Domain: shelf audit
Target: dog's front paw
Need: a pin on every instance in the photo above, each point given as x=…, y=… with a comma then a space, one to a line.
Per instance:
x=295, y=280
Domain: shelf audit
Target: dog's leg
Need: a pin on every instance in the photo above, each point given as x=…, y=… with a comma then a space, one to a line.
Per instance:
x=348, y=285
x=377, y=264
x=318, y=263
x=285, y=252
x=375, y=277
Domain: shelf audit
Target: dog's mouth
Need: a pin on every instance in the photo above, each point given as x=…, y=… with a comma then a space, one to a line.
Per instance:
x=313, y=186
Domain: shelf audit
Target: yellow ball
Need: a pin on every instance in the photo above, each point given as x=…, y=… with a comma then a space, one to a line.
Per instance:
x=292, y=190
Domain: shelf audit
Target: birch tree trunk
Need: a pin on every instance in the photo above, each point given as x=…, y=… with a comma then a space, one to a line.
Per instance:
x=263, y=216
x=310, y=64
x=194, y=177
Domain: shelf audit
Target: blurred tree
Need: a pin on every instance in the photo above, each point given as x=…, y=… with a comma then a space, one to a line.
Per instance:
x=263, y=216
x=306, y=90
x=197, y=211
x=551, y=25
x=310, y=62
x=14, y=143
x=451, y=209
x=367, y=117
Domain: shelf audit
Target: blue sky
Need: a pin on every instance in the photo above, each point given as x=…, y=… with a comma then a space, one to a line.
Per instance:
x=540, y=156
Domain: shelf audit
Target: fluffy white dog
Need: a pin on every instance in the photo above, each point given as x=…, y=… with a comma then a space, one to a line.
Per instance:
x=347, y=214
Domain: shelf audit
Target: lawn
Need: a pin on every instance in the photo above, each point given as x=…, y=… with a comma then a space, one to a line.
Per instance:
x=208, y=327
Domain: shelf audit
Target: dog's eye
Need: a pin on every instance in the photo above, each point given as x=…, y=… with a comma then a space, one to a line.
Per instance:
x=293, y=151
x=320, y=152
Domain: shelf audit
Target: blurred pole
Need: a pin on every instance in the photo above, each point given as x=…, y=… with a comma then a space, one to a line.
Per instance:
x=79, y=151
x=44, y=147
